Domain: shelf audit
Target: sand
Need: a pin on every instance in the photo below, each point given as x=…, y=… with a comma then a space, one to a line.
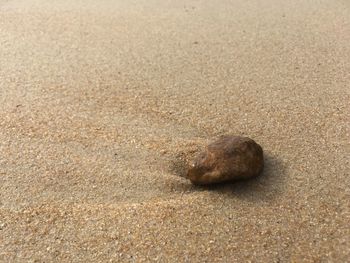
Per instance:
x=102, y=101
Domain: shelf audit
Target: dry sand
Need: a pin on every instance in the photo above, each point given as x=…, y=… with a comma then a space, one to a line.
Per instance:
x=101, y=100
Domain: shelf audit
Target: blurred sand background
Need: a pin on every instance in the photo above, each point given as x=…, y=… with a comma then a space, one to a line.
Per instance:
x=101, y=102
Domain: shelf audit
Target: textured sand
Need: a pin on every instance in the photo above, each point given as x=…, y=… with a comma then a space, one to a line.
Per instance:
x=101, y=101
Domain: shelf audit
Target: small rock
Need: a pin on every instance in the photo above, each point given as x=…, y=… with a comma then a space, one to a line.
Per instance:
x=229, y=158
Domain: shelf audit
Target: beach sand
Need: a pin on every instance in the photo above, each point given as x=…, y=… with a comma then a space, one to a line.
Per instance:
x=102, y=102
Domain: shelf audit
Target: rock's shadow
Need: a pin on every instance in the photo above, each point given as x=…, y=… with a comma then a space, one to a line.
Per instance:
x=266, y=187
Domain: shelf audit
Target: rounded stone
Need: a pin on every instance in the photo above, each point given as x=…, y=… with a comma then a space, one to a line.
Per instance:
x=227, y=159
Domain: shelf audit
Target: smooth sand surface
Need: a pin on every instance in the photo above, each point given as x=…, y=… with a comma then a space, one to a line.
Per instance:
x=102, y=102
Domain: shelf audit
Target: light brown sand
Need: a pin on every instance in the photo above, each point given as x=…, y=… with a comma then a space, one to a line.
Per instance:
x=100, y=100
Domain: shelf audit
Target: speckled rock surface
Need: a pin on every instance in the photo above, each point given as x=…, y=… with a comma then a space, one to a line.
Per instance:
x=228, y=158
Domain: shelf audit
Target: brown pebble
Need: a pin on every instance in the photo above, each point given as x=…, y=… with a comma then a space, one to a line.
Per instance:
x=227, y=159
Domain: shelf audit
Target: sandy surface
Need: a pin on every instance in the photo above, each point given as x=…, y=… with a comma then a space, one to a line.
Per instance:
x=101, y=101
